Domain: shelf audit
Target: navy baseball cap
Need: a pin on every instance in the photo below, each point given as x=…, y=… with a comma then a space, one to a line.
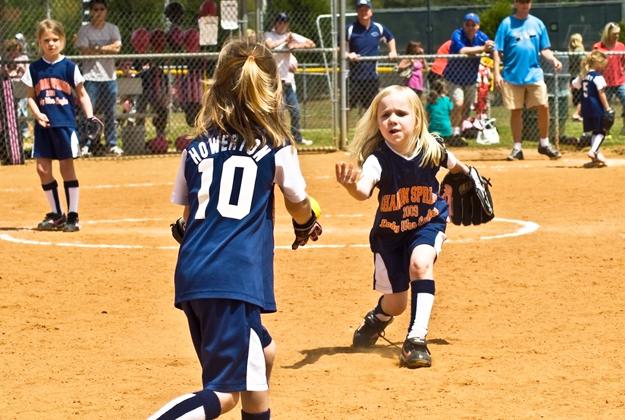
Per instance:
x=472, y=16
x=363, y=3
x=282, y=17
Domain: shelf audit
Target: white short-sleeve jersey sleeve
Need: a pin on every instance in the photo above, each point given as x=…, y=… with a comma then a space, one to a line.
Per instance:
x=27, y=79
x=372, y=168
x=600, y=82
x=180, y=195
x=78, y=79
x=289, y=175
x=451, y=160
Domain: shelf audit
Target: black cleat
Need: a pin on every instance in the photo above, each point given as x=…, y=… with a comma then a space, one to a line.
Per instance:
x=370, y=330
x=415, y=354
x=72, y=224
x=52, y=221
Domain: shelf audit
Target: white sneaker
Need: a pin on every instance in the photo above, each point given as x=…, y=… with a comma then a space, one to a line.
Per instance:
x=306, y=142
x=116, y=151
x=84, y=152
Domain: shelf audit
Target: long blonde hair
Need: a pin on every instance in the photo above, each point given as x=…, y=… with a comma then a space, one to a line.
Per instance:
x=607, y=30
x=50, y=25
x=245, y=95
x=368, y=137
x=593, y=59
x=576, y=42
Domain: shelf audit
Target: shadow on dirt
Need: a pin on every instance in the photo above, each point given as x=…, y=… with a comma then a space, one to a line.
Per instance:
x=389, y=351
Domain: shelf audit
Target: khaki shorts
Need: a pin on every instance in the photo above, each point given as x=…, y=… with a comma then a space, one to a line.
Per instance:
x=466, y=94
x=532, y=95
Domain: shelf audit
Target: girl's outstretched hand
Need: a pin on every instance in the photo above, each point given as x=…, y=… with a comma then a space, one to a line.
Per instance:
x=351, y=178
x=347, y=175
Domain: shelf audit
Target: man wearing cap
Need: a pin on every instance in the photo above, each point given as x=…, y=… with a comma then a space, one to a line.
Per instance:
x=520, y=38
x=461, y=73
x=282, y=41
x=363, y=39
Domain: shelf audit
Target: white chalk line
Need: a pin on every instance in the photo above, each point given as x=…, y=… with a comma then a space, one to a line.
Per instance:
x=525, y=228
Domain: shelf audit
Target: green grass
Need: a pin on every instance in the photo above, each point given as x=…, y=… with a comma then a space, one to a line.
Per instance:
x=316, y=122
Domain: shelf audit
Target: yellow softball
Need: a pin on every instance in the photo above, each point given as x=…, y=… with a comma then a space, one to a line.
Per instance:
x=314, y=205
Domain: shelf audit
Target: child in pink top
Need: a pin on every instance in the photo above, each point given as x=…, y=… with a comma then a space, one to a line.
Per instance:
x=419, y=66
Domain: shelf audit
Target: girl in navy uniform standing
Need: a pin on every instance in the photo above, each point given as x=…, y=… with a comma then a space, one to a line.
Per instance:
x=400, y=157
x=594, y=101
x=50, y=81
x=224, y=273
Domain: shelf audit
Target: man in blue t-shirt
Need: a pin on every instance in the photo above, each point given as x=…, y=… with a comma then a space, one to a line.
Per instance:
x=461, y=73
x=520, y=38
x=363, y=39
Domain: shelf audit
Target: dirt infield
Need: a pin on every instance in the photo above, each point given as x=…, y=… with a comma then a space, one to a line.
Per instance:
x=528, y=321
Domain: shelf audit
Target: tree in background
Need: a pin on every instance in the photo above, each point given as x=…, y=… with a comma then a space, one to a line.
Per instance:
x=492, y=17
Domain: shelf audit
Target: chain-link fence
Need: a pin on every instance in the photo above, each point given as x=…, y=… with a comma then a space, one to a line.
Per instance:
x=169, y=49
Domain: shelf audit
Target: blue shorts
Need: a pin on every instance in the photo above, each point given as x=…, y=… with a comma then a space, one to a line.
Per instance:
x=229, y=340
x=56, y=143
x=392, y=269
x=593, y=124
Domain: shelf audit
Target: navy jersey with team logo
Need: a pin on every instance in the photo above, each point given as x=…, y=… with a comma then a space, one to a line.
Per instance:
x=591, y=85
x=408, y=197
x=366, y=42
x=53, y=84
x=228, y=246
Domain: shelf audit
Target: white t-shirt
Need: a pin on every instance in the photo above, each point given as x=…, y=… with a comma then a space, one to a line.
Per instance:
x=284, y=58
x=100, y=70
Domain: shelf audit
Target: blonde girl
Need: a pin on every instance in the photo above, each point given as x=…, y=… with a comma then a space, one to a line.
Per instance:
x=398, y=155
x=576, y=45
x=594, y=101
x=50, y=81
x=224, y=273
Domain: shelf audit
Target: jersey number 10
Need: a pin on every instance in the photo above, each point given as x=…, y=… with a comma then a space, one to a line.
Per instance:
x=246, y=192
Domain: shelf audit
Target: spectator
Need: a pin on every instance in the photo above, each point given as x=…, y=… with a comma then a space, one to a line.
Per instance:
x=613, y=73
x=15, y=68
x=415, y=82
x=438, y=66
x=438, y=109
x=101, y=38
x=594, y=102
x=363, y=40
x=576, y=45
x=282, y=41
x=520, y=38
x=461, y=73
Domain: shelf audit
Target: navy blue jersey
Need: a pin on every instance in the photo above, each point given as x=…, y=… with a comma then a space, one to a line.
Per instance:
x=53, y=84
x=228, y=247
x=591, y=103
x=365, y=42
x=463, y=71
x=408, y=197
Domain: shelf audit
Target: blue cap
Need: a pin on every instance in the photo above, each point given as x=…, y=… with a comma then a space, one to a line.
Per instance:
x=282, y=17
x=363, y=3
x=472, y=16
